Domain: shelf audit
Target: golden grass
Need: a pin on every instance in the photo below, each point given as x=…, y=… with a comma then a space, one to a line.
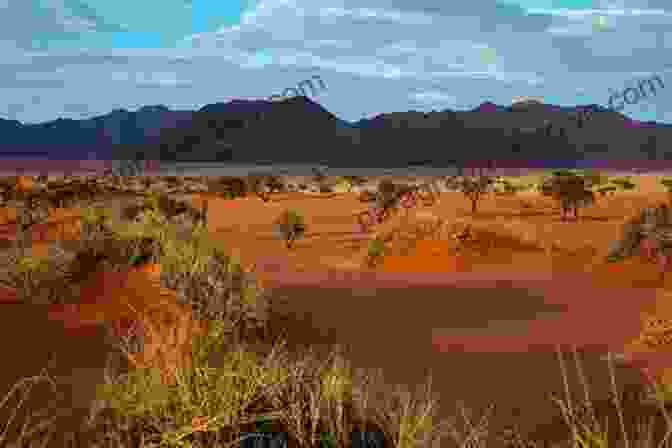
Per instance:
x=135, y=297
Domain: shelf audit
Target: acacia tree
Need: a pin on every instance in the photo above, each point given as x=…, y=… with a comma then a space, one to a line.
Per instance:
x=474, y=188
x=570, y=190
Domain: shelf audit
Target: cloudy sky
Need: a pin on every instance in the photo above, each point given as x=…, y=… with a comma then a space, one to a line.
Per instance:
x=81, y=58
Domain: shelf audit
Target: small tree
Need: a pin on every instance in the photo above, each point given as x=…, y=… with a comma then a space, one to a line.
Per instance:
x=291, y=226
x=474, y=188
x=570, y=190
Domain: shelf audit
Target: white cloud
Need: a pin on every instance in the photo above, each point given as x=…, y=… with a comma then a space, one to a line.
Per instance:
x=371, y=53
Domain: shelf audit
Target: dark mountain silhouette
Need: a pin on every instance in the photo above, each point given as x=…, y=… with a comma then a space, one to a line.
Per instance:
x=298, y=130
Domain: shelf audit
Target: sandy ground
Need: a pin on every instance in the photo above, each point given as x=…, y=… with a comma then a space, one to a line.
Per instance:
x=486, y=324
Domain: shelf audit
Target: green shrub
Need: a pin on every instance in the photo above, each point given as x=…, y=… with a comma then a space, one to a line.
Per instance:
x=291, y=226
x=624, y=184
x=375, y=251
x=667, y=183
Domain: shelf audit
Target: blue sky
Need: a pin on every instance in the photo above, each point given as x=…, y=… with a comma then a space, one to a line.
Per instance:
x=81, y=58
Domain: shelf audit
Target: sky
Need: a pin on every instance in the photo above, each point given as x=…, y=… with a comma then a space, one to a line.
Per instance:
x=82, y=58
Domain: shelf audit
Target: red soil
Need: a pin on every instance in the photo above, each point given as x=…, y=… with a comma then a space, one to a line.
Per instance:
x=603, y=307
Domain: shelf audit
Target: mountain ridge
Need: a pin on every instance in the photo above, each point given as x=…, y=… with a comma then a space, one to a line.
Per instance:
x=300, y=130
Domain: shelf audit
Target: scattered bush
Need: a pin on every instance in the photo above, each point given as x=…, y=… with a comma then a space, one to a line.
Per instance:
x=624, y=184
x=375, y=251
x=291, y=226
x=595, y=178
x=475, y=188
x=570, y=190
x=263, y=185
x=353, y=181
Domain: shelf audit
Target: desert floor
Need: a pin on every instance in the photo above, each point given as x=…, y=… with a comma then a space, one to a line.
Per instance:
x=485, y=322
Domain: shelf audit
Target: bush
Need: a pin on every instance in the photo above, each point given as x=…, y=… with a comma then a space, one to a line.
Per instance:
x=667, y=183
x=352, y=181
x=570, y=190
x=595, y=178
x=624, y=184
x=375, y=251
x=475, y=188
x=291, y=226
x=387, y=188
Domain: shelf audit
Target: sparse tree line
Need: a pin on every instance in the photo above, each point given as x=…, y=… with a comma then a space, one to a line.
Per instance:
x=571, y=189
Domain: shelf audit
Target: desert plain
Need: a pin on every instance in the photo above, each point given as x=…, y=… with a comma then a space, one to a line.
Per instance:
x=484, y=317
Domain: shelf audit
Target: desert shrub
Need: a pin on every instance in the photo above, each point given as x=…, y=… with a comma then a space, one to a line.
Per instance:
x=352, y=181
x=96, y=221
x=162, y=204
x=291, y=226
x=375, y=251
x=475, y=188
x=276, y=184
x=316, y=402
x=387, y=188
x=667, y=183
x=387, y=194
x=30, y=275
x=570, y=190
x=505, y=186
x=234, y=187
x=624, y=184
x=595, y=178
x=326, y=189
x=259, y=184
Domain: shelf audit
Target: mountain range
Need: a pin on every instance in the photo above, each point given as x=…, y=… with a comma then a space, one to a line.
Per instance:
x=299, y=130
